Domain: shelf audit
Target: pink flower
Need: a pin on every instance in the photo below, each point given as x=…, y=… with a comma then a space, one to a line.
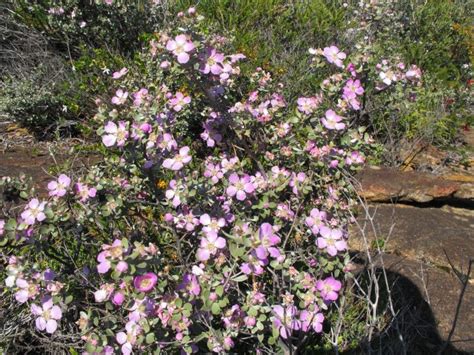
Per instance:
x=355, y=158
x=210, y=246
x=388, y=77
x=180, y=47
x=120, y=73
x=334, y=56
x=59, y=187
x=118, y=298
x=85, y=192
x=210, y=135
x=331, y=240
x=284, y=212
x=166, y=142
x=179, y=160
x=173, y=193
x=332, y=121
x=211, y=225
x=414, y=73
x=127, y=340
x=115, y=134
x=307, y=105
x=186, y=220
x=34, y=212
x=26, y=290
x=146, y=282
x=311, y=320
x=140, y=96
x=48, y=315
x=212, y=62
x=329, y=288
x=179, y=101
x=120, y=97
x=213, y=172
x=285, y=319
x=2, y=226
x=351, y=90
x=296, y=181
x=315, y=220
x=239, y=187
x=266, y=242
x=190, y=284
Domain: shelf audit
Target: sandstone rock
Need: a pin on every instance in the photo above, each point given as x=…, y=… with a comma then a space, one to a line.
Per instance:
x=422, y=234
x=390, y=185
x=465, y=192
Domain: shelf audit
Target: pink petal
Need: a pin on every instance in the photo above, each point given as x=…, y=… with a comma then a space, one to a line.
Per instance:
x=205, y=219
x=241, y=195
x=231, y=191
x=183, y=58
x=203, y=254
x=220, y=243
x=121, y=338
x=40, y=323
x=56, y=312
x=51, y=326
x=109, y=140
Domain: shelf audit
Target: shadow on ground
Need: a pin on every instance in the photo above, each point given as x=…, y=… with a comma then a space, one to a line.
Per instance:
x=414, y=329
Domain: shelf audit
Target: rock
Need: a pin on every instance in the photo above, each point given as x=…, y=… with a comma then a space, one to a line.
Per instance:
x=390, y=185
x=425, y=289
x=430, y=235
x=465, y=192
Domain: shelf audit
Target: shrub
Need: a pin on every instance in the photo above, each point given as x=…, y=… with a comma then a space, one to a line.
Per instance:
x=218, y=217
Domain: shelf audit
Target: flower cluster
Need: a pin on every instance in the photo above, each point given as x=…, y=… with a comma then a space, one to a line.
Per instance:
x=200, y=238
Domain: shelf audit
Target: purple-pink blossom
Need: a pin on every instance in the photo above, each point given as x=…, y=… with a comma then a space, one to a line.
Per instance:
x=25, y=291
x=240, y=187
x=308, y=105
x=334, y=56
x=47, y=315
x=33, y=212
x=331, y=240
x=128, y=339
x=212, y=62
x=85, y=192
x=59, y=187
x=190, y=284
x=173, y=193
x=120, y=97
x=180, y=47
x=179, y=101
x=211, y=225
x=315, y=220
x=285, y=320
x=266, y=242
x=120, y=73
x=332, y=121
x=213, y=172
x=145, y=282
x=329, y=288
x=115, y=134
x=311, y=320
x=210, y=245
x=179, y=160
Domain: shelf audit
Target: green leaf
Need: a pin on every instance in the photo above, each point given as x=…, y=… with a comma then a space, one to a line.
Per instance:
x=150, y=338
x=215, y=308
x=240, y=278
x=220, y=290
x=68, y=299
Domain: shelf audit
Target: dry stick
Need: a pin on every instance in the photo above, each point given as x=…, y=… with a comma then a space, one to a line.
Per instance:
x=461, y=297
